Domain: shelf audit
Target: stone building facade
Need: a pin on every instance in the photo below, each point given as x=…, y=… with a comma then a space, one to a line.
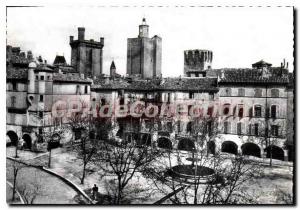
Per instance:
x=238, y=111
x=31, y=93
x=144, y=54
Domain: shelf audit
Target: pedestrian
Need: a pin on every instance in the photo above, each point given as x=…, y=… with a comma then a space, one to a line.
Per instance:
x=95, y=191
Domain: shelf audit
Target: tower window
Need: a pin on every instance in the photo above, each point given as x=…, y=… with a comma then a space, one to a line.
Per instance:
x=191, y=95
x=226, y=109
x=42, y=77
x=274, y=130
x=256, y=129
x=14, y=86
x=13, y=101
x=86, y=89
x=257, y=111
x=41, y=98
x=240, y=110
x=273, y=111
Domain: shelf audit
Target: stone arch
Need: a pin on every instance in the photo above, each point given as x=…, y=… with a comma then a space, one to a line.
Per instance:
x=229, y=147
x=13, y=138
x=186, y=144
x=211, y=147
x=277, y=152
x=165, y=143
x=27, y=141
x=252, y=149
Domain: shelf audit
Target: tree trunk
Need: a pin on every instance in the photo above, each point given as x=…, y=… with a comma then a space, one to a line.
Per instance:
x=14, y=185
x=271, y=156
x=49, y=160
x=83, y=174
x=16, y=152
x=119, y=191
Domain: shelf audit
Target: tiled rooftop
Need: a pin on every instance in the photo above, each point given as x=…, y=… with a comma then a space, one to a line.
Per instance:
x=254, y=76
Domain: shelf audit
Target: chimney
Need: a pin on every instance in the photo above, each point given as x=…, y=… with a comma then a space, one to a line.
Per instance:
x=287, y=65
x=29, y=55
x=102, y=40
x=284, y=63
x=81, y=31
x=71, y=39
x=45, y=61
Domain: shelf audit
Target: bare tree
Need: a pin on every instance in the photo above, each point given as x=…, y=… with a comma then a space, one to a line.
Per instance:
x=122, y=162
x=16, y=167
x=30, y=190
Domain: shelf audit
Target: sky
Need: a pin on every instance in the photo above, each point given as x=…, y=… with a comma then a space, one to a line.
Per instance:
x=237, y=36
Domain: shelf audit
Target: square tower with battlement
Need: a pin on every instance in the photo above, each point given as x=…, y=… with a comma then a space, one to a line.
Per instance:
x=87, y=55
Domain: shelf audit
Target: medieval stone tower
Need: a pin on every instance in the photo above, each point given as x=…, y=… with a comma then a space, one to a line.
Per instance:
x=144, y=54
x=87, y=55
x=197, y=62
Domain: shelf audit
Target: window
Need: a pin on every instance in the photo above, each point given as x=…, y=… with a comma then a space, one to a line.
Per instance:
x=169, y=97
x=211, y=96
x=191, y=95
x=77, y=89
x=240, y=110
x=228, y=92
x=14, y=86
x=189, y=127
x=256, y=129
x=179, y=126
x=41, y=98
x=273, y=111
x=86, y=89
x=40, y=114
x=13, y=101
x=241, y=92
x=209, y=127
x=169, y=127
x=226, y=109
x=226, y=127
x=275, y=93
x=42, y=77
x=274, y=130
x=210, y=111
x=239, y=128
x=257, y=92
x=37, y=77
x=48, y=77
x=257, y=111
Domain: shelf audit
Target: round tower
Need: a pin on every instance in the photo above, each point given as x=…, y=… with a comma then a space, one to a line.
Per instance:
x=197, y=62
